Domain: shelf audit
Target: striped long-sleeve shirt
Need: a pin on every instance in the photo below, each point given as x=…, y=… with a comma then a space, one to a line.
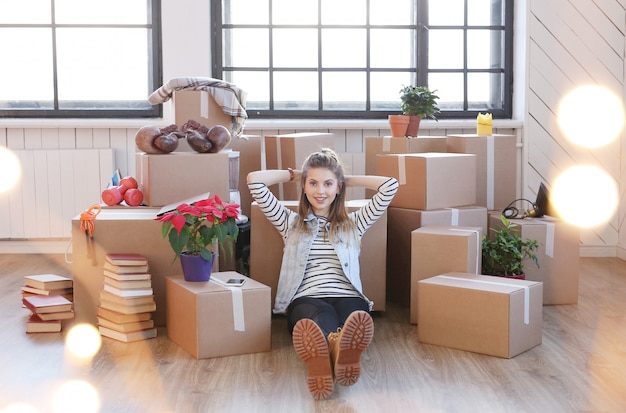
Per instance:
x=324, y=274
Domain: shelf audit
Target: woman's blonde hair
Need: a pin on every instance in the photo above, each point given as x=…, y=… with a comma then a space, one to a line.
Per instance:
x=340, y=223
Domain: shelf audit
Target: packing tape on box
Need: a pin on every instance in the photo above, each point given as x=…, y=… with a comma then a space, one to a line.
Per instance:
x=204, y=104
x=454, y=218
x=550, y=230
x=525, y=287
x=386, y=143
x=478, y=241
x=490, y=172
x=279, y=161
x=236, y=294
x=401, y=170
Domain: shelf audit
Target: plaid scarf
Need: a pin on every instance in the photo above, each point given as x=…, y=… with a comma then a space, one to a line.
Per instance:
x=231, y=98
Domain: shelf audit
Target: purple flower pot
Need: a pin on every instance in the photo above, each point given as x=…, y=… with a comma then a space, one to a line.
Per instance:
x=196, y=268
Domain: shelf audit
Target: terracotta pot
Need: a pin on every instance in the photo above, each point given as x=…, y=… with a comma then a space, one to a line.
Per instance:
x=414, y=126
x=196, y=268
x=398, y=125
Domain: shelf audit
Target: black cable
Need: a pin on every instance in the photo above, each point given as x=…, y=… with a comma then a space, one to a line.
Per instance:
x=512, y=212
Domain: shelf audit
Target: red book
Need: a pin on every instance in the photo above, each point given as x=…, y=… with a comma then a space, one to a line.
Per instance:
x=37, y=325
x=39, y=304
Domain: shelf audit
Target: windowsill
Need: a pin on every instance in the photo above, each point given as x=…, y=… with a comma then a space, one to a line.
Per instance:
x=261, y=124
x=254, y=124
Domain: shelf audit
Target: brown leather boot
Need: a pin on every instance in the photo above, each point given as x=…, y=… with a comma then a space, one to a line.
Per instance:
x=312, y=348
x=347, y=345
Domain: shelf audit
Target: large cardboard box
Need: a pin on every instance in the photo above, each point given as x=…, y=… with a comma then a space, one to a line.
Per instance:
x=168, y=178
x=120, y=230
x=290, y=151
x=438, y=249
x=210, y=320
x=388, y=145
x=496, y=167
x=478, y=313
x=558, y=255
x=266, y=253
x=431, y=180
x=400, y=224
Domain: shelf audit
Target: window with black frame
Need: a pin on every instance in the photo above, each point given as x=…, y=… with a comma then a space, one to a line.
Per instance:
x=350, y=58
x=79, y=58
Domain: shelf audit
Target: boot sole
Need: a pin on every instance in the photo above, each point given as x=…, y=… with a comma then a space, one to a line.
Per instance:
x=311, y=347
x=356, y=336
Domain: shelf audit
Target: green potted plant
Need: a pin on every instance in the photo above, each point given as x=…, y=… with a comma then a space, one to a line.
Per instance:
x=418, y=102
x=192, y=228
x=506, y=253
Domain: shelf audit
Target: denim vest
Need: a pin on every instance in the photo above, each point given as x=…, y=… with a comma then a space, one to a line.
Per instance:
x=295, y=257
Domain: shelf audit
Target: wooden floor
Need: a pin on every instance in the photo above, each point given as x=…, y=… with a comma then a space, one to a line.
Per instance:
x=579, y=367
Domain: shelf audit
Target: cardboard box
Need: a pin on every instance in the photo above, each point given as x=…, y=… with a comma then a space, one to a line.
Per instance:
x=200, y=106
x=400, y=224
x=168, y=178
x=496, y=167
x=431, y=180
x=120, y=230
x=290, y=151
x=389, y=145
x=438, y=249
x=478, y=313
x=209, y=320
x=266, y=253
x=558, y=256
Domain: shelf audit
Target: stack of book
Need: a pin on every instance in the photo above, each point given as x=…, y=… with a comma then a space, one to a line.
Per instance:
x=49, y=298
x=126, y=299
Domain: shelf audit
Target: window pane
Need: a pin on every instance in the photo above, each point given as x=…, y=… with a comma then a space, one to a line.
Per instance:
x=485, y=13
x=487, y=48
x=102, y=64
x=348, y=12
x=484, y=90
x=304, y=54
x=256, y=85
x=25, y=11
x=100, y=12
x=246, y=47
x=343, y=91
x=29, y=77
x=392, y=48
x=294, y=12
x=449, y=87
x=445, y=12
x=245, y=11
x=396, y=12
x=445, y=49
x=385, y=89
x=343, y=48
x=296, y=91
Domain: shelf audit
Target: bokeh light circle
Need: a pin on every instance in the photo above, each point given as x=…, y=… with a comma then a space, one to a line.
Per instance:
x=76, y=396
x=585, y=196
x=10, y=170
x=579, y=122
x=83, y=340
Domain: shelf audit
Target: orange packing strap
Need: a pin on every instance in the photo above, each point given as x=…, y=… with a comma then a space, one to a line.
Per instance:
x=87, y=218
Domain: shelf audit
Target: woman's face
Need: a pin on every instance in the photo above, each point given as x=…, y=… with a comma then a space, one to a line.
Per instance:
x=321, y=189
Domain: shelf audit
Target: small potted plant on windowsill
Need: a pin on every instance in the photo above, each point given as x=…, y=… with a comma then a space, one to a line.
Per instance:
x=418, y=102
x=506, y=253
x=192, y=229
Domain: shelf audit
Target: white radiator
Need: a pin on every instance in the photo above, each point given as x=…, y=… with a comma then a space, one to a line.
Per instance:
x=55, y=186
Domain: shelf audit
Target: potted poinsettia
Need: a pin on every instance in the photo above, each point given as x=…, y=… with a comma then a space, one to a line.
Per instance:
x=192, y=228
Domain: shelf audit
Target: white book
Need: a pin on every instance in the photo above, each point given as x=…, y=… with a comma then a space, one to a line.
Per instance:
x=136, y=292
